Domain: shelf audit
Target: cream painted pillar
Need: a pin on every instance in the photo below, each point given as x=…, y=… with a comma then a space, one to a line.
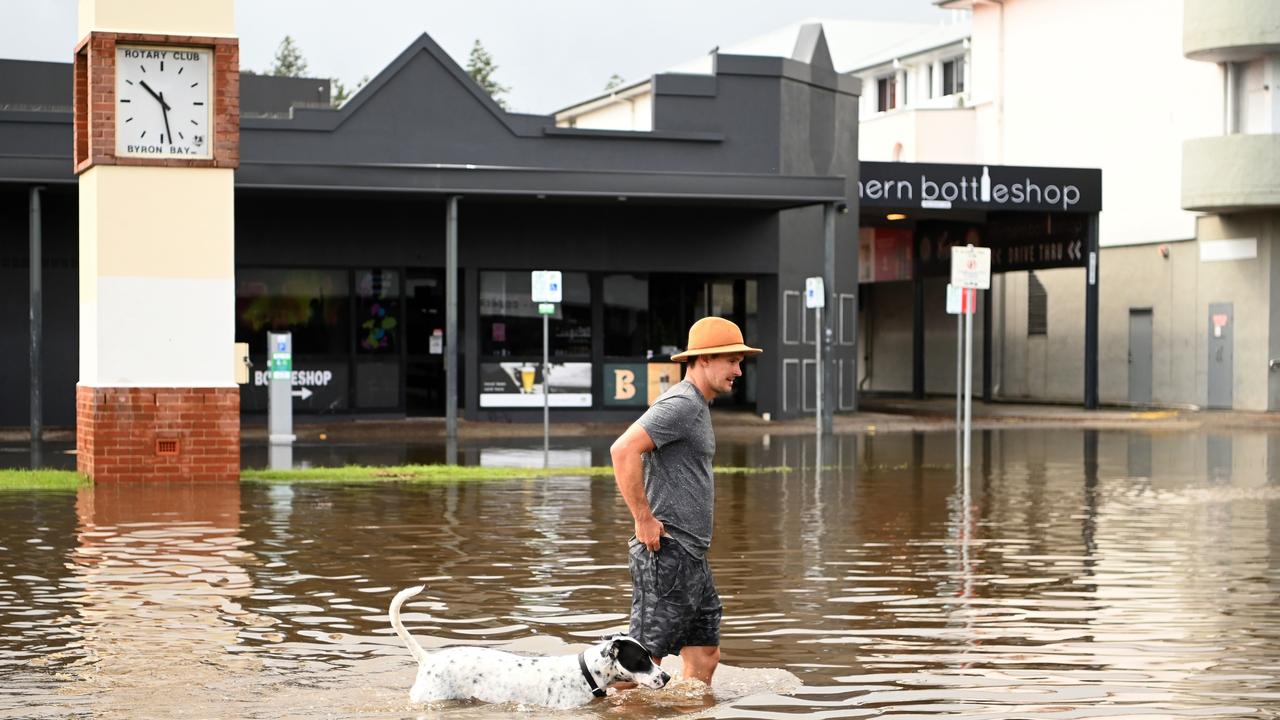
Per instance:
x=157, y=397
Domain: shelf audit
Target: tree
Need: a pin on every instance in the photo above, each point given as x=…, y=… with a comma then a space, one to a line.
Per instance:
x=289, y=61
x=615, y=80
x=480, y=67
x=341, y=93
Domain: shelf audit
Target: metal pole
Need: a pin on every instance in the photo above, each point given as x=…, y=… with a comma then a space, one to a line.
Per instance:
x=37, y=324
x=451, y=321
x=960, y=368
x=1091, y=315
x=968, y=376
x=826, y=333
x=817, y=358
x=546, y=397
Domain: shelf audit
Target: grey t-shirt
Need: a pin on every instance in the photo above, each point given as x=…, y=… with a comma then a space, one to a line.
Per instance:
x=677, y=473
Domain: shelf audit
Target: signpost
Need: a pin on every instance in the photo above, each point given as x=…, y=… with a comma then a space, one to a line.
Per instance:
x=970, y=272
x=815, y=297
x=547, y=291
x=280, y=435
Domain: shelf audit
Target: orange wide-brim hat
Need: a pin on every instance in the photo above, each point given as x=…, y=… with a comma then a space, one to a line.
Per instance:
x=714, y=336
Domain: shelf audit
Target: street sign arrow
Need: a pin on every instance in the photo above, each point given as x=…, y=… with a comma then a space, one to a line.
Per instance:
x=302, y=393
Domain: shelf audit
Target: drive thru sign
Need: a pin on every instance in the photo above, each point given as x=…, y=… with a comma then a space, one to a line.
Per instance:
x=971, y=267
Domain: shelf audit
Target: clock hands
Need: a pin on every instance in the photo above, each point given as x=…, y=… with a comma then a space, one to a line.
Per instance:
x=164, y=107
x=158, y=96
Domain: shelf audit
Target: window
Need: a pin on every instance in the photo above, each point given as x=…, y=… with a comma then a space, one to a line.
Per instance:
x=1037, y=306
x=378, y=312
x=953, y=76
x=511, y=326
x=626, y=315
x=311, y=304
x=886, y=91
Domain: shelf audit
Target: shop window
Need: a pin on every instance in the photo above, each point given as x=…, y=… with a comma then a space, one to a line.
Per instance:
x=626, y=315
x=886, y=92
x=511, y=326
x=311, y=304
x=1037, y=306
x=378, y=312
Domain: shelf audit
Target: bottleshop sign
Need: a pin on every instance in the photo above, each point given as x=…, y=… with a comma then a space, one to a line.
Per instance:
x=929, y=186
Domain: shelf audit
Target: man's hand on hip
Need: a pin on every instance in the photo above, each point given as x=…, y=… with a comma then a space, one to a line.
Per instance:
x=650, y=532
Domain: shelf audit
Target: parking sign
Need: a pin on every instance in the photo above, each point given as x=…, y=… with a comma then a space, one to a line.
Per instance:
x=547, y=287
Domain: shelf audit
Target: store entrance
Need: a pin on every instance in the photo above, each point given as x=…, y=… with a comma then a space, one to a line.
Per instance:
x=424, y=296
x=677, y=301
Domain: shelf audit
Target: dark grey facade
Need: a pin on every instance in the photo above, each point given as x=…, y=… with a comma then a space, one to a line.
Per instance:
x=721, y=206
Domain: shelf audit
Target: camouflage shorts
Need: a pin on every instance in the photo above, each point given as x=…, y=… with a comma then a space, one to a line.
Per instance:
x=674, y=602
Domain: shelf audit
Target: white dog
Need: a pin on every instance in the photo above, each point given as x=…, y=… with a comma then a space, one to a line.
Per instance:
x=494, y=676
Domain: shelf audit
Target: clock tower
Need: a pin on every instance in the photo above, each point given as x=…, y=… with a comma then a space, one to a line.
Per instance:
x=157, y=141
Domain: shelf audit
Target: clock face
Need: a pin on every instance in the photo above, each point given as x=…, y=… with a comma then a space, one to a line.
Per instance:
x=163, y=103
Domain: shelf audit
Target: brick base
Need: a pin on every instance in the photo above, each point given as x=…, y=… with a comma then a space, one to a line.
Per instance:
x=150, y=434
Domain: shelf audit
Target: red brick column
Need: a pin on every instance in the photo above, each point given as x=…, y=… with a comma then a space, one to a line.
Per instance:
x=125, y=434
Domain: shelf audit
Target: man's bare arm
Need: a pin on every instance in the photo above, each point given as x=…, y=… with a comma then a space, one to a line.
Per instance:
x=628, y=470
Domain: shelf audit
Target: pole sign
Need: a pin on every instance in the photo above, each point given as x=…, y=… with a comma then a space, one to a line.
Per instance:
x=960, y=301
x=971, y=267
x=546, y=308
x=547, y=286
x=814, y=296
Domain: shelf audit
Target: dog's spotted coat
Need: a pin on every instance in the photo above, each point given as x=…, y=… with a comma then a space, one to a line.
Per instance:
x=495, y=676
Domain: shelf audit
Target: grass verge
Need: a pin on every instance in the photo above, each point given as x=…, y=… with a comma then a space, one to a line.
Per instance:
x=41, y=480
x=443, y=473
x=70, y=480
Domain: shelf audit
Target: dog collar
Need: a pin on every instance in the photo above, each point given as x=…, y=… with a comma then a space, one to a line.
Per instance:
x=591, y=680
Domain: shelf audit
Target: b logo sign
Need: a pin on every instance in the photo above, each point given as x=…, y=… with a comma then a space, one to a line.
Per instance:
x=624, y=384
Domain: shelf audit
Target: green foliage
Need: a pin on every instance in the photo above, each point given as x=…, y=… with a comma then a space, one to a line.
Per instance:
x=615, y=80
x=289, y=61
x=341, y=93
x=41, y=480
x=481, y=67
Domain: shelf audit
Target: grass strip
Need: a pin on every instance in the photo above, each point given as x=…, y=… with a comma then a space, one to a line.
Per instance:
x=71, y=480
x=41, y=480
x=444, y=473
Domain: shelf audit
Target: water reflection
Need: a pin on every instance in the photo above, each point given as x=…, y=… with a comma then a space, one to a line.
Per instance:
x=1051, y=581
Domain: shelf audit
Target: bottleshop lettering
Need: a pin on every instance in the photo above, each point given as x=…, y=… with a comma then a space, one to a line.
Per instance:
x=971, y=189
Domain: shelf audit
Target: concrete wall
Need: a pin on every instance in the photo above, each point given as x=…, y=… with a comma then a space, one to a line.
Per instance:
x=939, y=136
x=1060, y=103
x=1178, y=289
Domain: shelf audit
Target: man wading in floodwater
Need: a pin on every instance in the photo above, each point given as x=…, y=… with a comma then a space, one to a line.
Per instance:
x=663, y=467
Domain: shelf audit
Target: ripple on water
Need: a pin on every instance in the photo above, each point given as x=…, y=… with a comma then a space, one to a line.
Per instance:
x=1050, y=591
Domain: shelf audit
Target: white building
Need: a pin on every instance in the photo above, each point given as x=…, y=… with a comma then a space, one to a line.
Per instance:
x=1174, y=101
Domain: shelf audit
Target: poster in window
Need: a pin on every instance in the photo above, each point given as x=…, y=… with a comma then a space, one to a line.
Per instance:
x=520, y=384
x=638, y=384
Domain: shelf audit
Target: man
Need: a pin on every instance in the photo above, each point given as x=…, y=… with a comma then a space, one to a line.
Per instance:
x=662, y=464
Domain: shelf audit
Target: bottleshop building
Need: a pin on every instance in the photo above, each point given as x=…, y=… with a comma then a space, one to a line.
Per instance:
x=745, y=186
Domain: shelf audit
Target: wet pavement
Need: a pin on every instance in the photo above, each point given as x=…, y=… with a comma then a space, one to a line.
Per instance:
x=1076, y=574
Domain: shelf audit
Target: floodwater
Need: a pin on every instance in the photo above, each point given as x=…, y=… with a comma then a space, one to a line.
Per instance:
x=1076, y=574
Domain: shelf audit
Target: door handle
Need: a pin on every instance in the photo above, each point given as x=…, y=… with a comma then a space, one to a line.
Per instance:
x=1273, y=364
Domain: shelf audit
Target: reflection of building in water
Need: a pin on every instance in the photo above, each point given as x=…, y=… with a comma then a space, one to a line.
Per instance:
x=161, y=567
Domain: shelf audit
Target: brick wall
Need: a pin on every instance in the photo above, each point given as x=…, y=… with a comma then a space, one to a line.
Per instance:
x=95, y=105
x=126, y=434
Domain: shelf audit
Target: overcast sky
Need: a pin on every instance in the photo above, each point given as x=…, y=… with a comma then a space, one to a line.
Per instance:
x=551, y=53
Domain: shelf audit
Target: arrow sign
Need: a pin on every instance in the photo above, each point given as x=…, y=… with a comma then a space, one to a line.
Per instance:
x=1073, y=250
x=302, y=393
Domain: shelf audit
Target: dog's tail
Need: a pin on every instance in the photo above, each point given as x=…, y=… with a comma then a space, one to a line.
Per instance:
x=418, y=653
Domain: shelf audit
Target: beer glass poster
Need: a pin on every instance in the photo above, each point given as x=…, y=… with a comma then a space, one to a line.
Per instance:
x=520, y=384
